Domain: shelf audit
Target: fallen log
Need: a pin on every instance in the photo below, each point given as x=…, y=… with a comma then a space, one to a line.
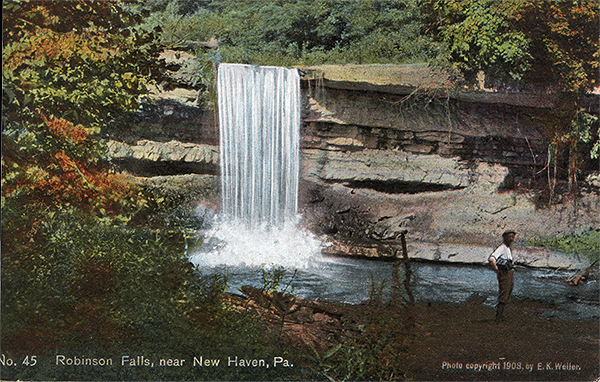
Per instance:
x=582, y=275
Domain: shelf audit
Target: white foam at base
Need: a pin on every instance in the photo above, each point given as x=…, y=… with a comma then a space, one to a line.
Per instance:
x=234, y=244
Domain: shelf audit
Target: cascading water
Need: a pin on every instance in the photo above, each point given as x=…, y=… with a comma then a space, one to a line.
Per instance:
x=259, y=119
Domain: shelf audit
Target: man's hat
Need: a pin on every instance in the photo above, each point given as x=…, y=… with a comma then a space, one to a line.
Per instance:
x=506, y=233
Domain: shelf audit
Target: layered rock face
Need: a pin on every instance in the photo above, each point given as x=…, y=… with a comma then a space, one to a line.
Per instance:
x=453, y=170
x=151, y=158
x=379, y=158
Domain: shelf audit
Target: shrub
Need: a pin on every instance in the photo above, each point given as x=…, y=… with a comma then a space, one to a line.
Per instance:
x=81, y=288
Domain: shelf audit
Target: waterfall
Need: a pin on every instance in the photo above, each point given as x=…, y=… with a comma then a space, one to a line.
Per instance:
x=259, y=122
x=259, y=119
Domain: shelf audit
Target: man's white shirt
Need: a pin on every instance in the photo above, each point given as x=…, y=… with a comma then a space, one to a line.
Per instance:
x=502, y=252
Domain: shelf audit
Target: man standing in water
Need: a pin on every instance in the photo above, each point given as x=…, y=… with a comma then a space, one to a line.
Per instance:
x=501, y=261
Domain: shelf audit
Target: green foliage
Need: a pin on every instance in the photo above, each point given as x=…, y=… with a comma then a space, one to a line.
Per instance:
x=548, y=43
x=297, y=31
x=570, y=128
x=565, y=42
x=478, y=36
x=323, y=362
x=86, y=68
x=272, y=280
x=83, y=289
x=582, y=126
x=377, y=352
x=584, y=244
x=70, y=68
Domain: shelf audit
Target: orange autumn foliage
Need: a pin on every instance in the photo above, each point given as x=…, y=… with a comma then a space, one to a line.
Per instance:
x=67, y=177
x=65, y=129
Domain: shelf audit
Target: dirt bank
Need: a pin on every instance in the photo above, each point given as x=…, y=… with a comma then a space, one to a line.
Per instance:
x=526, y=347
x=433, y=342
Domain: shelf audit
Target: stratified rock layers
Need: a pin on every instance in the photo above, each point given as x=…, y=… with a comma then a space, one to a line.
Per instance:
x=454, y=169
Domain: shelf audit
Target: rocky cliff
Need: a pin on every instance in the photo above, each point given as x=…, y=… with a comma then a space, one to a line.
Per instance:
x=454, y=169
x=390, y=150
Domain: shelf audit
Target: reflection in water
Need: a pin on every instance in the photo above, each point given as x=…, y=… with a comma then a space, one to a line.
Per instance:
x=351, y=280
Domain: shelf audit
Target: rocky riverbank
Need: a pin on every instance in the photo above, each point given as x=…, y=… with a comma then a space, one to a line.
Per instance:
x=432, y=236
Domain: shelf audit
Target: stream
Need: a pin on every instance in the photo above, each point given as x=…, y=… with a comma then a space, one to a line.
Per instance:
x=346, y=280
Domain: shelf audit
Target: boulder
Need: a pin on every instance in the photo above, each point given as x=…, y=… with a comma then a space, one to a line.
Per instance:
x=390, y=228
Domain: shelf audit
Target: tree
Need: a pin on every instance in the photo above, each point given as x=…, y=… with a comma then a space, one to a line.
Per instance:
x=564, y=42
x=69, y=69
x=478, y=36
x=545, y=44
x=565, y=51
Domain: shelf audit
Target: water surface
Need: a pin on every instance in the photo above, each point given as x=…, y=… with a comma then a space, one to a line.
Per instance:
x=351, y=281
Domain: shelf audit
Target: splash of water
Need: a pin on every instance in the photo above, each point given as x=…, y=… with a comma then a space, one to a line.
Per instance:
x=235, y=244
x=259, y=122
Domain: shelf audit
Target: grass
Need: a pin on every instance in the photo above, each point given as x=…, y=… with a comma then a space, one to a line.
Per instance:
x=584, y=244
x=414, y=75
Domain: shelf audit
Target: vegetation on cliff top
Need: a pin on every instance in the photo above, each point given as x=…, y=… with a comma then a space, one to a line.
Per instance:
x=550, y=45
x=297, y=32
